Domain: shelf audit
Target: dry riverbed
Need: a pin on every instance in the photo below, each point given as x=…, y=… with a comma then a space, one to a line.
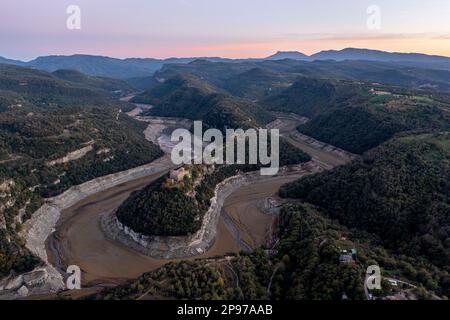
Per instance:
x=79, y=239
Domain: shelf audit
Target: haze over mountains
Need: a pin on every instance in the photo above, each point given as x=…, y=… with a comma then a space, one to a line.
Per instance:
x=142, y=67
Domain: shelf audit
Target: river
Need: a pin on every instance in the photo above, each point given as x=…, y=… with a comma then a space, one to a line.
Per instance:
x=79, y=240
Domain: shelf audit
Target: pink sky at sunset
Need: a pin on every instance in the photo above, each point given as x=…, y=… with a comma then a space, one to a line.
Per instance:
x=234, y=29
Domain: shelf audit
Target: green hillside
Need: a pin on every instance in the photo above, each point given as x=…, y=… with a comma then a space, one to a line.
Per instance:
x=310, y=97
x=43, y=89
x=361, y=127
x=111, y=86
x=44, y=119
x=257, y=83
x=305, y=265
x=399, y=193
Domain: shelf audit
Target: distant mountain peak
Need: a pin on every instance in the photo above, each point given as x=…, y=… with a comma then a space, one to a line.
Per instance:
x=377, y=55
x=11, y=61
x=294, y=55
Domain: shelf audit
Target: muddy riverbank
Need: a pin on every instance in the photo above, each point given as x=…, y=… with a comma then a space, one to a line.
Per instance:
x=78, y=238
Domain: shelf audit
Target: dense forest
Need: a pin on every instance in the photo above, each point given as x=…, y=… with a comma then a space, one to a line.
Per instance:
x=163, y=208
x=355, y=129
x=168, y=208
x=112, y=87
x=399, y=193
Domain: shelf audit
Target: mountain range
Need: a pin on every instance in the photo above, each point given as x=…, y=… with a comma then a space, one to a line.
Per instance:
x=143, y=67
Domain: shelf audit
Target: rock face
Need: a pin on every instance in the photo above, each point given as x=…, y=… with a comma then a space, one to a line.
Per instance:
x=71, y=156
x=5, y=186
x=39, y=281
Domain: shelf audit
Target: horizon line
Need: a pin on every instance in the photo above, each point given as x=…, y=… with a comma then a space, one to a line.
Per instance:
x=218, y=56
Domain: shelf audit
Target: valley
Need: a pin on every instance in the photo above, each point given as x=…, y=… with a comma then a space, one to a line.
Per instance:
x=80, y=240
x=87, y=180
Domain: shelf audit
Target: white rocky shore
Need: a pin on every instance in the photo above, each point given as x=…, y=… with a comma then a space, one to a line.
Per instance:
x=202, y=240
x=36, y=231
x=324, y=146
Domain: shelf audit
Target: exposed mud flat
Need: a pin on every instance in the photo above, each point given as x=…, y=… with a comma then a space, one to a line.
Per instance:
x=159, y=130
x=318, y=145
x=80, y=240
x=201, y=241
x=286, y=122
x=251, y=225
x=38, y=230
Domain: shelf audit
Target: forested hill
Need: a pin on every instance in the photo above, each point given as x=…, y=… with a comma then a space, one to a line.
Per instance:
x=63, y=88
x=399, y=192
x=55, y=134
x=310, y=97
x=298, y=270
x=362, y=122
x=111, y=86
x=354, y=105
x=169, y=208
x=189, y=97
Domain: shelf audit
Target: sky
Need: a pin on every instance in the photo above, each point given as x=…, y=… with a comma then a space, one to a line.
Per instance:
x=226, y=28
